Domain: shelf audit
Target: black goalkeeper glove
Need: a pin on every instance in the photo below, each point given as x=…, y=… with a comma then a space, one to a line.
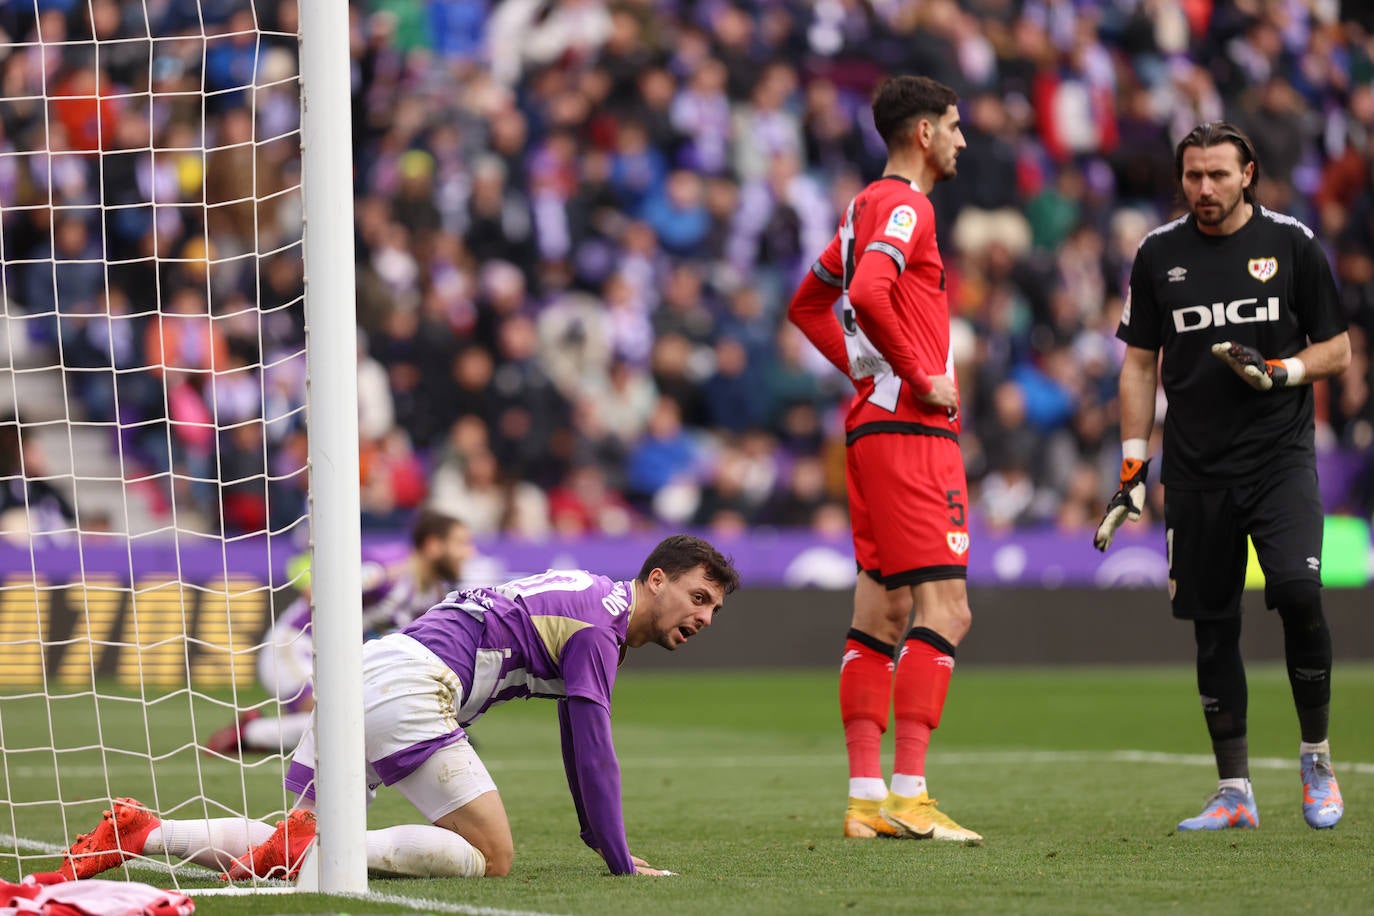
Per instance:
x=1259, y=373
x=1125, y=503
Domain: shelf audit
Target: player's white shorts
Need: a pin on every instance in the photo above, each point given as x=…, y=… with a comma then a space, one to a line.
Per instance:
x=286, y=662
x=411, y=735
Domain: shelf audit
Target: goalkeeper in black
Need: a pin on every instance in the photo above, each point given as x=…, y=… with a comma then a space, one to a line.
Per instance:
x=1241, y=302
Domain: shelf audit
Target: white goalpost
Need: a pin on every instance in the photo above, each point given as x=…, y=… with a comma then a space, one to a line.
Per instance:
x=333, y=380
x=178, y=415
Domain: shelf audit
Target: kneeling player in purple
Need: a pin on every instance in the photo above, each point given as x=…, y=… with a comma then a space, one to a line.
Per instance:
x=559, y=634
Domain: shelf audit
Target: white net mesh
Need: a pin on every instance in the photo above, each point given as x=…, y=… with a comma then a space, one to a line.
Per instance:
x=152, y=383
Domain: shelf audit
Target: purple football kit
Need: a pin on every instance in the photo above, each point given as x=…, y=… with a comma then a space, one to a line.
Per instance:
x=558, y=634
x=391, y=599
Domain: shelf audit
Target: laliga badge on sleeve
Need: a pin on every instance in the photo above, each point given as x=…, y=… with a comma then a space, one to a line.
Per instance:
x=901, y=223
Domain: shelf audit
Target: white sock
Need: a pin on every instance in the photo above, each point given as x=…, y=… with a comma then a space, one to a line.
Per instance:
x=1321, y=747
x=869, y=788
x=423, y=851
x=908, y=786
x=215, y=842
x=281, y=734
x=1241, y=784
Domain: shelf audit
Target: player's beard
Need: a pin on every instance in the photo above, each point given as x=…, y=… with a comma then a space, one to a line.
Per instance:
x=1223, y=214
x=950, y=168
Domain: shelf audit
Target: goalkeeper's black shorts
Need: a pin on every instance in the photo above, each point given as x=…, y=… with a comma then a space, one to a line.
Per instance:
x=1206, y=533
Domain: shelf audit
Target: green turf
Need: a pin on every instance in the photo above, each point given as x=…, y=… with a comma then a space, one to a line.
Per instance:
x=737, y=782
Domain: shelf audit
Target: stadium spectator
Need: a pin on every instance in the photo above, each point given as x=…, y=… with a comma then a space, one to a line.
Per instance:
x=560, y=634
x=30, y=506
x=1239, y=446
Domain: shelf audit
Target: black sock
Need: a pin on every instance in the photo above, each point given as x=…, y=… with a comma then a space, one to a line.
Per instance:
x=1221, y=686
x=1307, y=650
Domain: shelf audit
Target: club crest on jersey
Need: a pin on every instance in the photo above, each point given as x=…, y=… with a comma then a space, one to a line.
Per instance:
x=901, y=223
x=957, y=541
x=1263, y=269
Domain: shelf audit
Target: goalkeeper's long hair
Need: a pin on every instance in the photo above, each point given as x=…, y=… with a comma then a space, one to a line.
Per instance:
x=680, y=553
x=1215, y=133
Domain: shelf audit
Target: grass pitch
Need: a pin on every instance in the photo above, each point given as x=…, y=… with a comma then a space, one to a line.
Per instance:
x=737, y=782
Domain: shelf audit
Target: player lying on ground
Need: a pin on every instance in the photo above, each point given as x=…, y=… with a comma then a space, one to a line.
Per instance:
x=559, y=634
x=394, y=594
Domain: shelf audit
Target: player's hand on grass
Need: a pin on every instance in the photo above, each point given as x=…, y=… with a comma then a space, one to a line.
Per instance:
x=942, y=392
x=644, y=868
x=1259, y=373
x=1126, y=503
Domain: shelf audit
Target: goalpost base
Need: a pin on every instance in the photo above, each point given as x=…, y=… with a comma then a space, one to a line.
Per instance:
x=308, y=881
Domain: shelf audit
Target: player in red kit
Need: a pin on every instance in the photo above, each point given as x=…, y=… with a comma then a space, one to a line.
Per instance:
x=907, y=493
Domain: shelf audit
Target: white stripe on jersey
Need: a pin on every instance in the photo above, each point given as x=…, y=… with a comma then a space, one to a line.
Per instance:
x=1160, y=230
x=1286, y=220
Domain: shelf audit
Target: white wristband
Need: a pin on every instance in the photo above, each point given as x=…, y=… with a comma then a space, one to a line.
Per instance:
x=1296, y=371
x=1139, y=449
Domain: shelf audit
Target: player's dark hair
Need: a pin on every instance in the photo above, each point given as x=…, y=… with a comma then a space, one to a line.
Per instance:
x=1215, y=133
x=431, y=523
x=901, y=101
x=680, y=553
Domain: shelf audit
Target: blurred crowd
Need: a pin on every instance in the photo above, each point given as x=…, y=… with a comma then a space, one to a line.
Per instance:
x=579, y=223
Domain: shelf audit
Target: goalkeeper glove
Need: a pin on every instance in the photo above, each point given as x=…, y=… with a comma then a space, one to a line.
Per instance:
x=1259, y=373
x=1125, y=503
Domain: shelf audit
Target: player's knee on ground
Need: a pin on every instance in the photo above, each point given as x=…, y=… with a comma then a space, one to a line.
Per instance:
x=453, y=790
x=500, y=857
x=488, y=834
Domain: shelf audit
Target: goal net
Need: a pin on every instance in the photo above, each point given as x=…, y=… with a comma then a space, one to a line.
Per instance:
x=155, y=396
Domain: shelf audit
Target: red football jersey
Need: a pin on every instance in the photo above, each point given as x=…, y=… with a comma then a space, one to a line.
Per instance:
x=891, y=218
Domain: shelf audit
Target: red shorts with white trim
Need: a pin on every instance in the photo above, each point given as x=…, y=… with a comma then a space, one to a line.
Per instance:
x=908, y=504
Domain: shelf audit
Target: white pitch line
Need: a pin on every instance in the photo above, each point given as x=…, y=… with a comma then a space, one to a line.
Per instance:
x=419, y=904
x=424, y=904
x=791, y=761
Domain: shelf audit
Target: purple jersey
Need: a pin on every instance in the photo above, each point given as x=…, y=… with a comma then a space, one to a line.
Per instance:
x=558, y=634
x=547, y=635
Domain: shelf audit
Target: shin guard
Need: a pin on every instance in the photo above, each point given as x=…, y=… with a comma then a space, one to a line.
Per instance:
x=865, y=699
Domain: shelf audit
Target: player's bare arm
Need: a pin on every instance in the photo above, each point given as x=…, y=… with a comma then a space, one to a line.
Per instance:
x=1139, y=379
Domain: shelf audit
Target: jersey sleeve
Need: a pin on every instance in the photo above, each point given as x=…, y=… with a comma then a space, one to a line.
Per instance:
x=1139, y=325
x=812, y=308
x=1318, y=306
x=588, y=662
x=901, y=225
x=593, y=773
x=870, y=293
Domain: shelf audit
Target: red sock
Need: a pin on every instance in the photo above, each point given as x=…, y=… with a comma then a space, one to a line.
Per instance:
x=922, y=681
x=865, y=697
